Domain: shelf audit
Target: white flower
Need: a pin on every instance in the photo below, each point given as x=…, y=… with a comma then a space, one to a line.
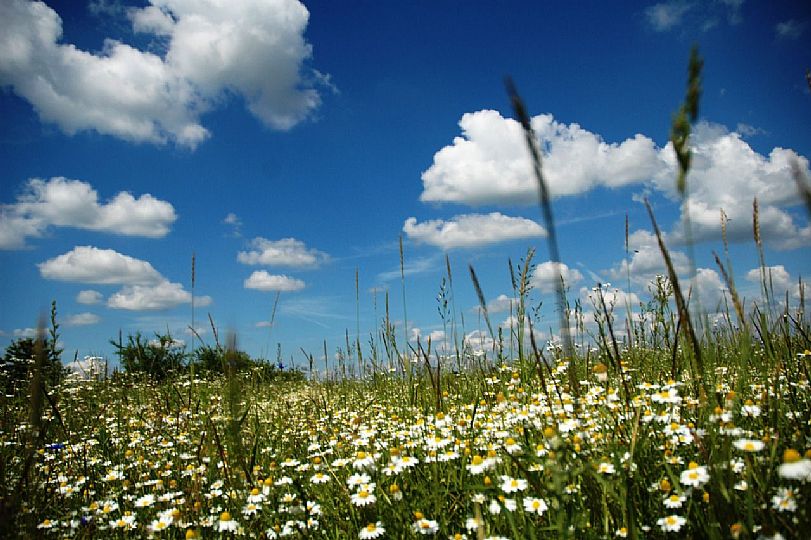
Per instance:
x=605, y=468
x=511, y=485
x=319, y=478
x=226, y=524
x=794, y=467
x=784, y=501
x=372, y=530
x=425, y=526
x=749, y=445
x=695, y=476
x=364, y=497
x=671, y=523
x=674, y=501
x=535, y=506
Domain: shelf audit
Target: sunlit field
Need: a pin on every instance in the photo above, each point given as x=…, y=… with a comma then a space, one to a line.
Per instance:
x=655, y=420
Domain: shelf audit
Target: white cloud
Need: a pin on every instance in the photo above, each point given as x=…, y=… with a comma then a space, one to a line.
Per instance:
x=163, y=295
x=285, y=252
x=708, y=289
x=547, y=275
x=471, y=230
x=262, y=281
x=82, y=319
x=727, y=174
x=647, y=261
x=490, y=162
x=88, y=368
x=613, y=297
x=25, y=332
x=665, y=15
x=790, y=29
x=778, y=280
x=263, y=324
x=89, y=297
x=88, y=264
x=251, y=48
x=61, y=202
x=499, y=304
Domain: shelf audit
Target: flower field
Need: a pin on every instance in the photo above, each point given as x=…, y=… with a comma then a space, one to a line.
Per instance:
x=508, y=450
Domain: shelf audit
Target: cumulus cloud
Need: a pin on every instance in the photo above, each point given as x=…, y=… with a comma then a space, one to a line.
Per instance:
x=251, y=48
x=614, y=297
x=778, y=280
x=82, y=319
x=727, y=174
x=262, y=281
x=666, y=15
x=89, y=297
x=499, y=304
x=61, y=202
x=790, y=29
x=490, y=163
x=285, y=252
x=25, y=332
x=88, y=264
x=163, y=295
x=144, y=287
x=547, y=275
x=647, y=261
x=472, y=230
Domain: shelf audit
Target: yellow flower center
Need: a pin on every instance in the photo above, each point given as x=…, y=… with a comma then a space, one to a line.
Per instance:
x=361, y=455
x=791, y=456
x=477, y=460
x=225, y=516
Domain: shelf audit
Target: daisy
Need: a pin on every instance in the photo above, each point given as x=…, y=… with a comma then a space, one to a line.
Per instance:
x=364, y=497
x=535, y=506
x=226, y=524
x=695, y=475
x=605, y=468
x=784, y=501
x=671, y=523
x=372, y=530
x=477, y=465
x=794, y=467
x=425, y=526
x=511, y=485
x=749, y=445
x=674, y=501
x=363, y=460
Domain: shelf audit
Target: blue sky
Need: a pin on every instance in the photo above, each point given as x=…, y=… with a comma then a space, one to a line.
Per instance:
x=289, y=146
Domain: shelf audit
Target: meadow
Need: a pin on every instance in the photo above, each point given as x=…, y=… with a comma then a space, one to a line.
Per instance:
x=651, y=421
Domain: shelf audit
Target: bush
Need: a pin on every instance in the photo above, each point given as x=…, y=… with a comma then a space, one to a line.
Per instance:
x=21, y=355
x=158, y=358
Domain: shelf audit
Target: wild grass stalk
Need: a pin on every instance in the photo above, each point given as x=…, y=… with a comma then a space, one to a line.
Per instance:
x=546, y=207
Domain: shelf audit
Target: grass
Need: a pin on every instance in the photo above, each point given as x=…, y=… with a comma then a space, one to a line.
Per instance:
x=664, y=430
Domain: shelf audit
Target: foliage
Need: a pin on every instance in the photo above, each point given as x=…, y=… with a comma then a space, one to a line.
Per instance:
x=158, y=358
x=20, y=357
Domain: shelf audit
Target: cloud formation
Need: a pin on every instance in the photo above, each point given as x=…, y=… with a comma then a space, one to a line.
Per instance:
x=262, y=281
x=665, y=15
x=89, y=297
x=547, y=275
x=89, y=264
x=471, y=230
x=251, y=48
x=144, y=288
x=287, y=252
x=489, y=164
x=61, y=202
x=82, y=319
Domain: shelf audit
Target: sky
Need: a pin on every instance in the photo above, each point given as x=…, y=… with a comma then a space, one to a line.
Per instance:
x=288, y=147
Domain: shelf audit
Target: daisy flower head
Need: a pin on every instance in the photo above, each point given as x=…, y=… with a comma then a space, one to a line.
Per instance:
x=695, y=475
x=749, y=445
x=535, y=506
x=372, y=530
x=795, y=467
x=226, y=524
x=364, y=497
x=319, y=478
x=672, y=523
x=674, y=501
x=511, y=485
x=363, y=460
x=605, y=468
x=477, y=465
x=784, y=501
x=425, y=526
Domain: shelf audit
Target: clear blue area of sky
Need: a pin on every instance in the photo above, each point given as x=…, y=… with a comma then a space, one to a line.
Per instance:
x=345, y=180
